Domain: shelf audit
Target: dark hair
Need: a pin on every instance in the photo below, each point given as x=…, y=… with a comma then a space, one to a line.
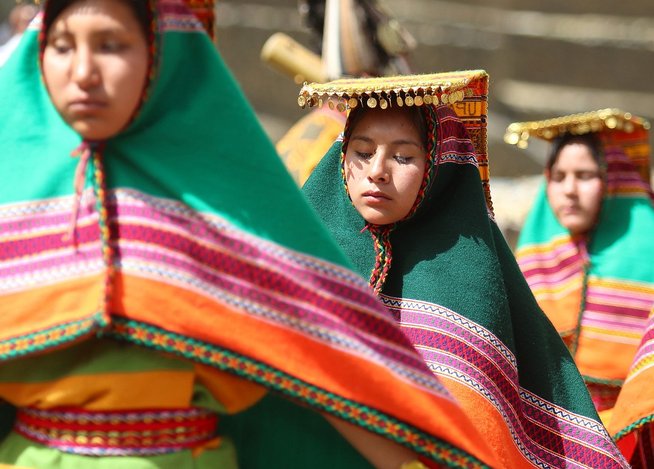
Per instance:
x=140, y=8
x=416, y=115
x=590, y=140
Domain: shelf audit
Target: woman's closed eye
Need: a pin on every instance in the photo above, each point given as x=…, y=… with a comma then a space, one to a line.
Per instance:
x=362, y=155
x=111, y=46
x=557, y=176
x=587, y=175
x=61, y=45
x=403, y=159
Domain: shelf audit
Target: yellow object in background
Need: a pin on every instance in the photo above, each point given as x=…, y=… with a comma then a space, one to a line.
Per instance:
x=289, y=57
x=304, y=145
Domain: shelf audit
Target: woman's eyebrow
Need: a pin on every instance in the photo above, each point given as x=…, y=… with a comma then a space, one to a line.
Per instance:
x=112, y=31
x=406, y=142
x=363, y=138
x=55, y=33
x=108, y=31
x=401, y=141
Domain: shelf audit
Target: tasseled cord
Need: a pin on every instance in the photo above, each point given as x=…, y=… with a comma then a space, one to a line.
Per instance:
x=92, y=151
x=383, y=255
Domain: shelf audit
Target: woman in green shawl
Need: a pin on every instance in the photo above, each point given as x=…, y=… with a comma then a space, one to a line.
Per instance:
x=586, y=246
x=171, y=273
x=401, y=193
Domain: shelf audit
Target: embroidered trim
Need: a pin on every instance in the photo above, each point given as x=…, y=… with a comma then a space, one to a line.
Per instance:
x=49, y=338
x=117, y=433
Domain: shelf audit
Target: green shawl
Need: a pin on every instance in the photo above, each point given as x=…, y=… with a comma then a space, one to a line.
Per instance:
x=192, y=239
x=455, y=289
x=598, y=289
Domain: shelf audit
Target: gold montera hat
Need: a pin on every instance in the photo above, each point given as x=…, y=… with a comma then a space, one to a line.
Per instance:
x=615, y=127
x=466, y=92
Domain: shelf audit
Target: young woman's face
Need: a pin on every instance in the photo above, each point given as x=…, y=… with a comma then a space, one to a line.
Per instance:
x=575, y=188
x=384, y=165
x=95, y=65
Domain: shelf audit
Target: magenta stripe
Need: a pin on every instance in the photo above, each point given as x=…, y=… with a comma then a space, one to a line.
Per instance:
x=561, y=252
x=456, y=139
x=626, y=175
x=167, y=239
x=613, y=326
x=553, y=280
x=437, y=322
x=627, y=182
x=623, y=175
x=618, y=310
x=563, y=262
x=620, y=165
x=20, y=248
x=627, y=320
x=60, y=259
x=176, y=9
x=611, y=294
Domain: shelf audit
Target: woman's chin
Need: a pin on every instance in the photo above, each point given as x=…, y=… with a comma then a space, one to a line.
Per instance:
x=576, y=227
x=380, y=221
x=94, y=132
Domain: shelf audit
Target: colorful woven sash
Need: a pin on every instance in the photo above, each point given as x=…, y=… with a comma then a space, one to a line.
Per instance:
x=117, y=433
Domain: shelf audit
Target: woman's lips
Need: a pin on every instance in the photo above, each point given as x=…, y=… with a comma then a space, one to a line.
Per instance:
x=570, y=210
x=86, y=106
x=374, y=196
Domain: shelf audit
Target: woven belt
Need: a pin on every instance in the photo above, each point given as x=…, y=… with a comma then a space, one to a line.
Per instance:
x=122, y=433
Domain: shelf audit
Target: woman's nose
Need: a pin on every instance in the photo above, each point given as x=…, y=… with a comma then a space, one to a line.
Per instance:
x=85, y=72
x=570, y=185
x=378, y=171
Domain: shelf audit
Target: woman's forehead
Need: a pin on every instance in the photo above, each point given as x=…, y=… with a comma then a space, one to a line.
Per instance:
x=373, y=118
x=575, y=155
x=61, y=13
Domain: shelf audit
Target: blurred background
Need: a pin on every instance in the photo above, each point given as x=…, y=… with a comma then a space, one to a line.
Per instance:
x=544, y=59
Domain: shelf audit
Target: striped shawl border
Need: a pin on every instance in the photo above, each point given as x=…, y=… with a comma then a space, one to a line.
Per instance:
x=60, y=206
x=134, y=210
x=150, y=336
x=119, y=196
x=597, y=438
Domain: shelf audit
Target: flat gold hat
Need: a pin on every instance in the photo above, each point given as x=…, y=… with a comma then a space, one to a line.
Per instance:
x=518, y=133
x=615, y=128
x=402, y=90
